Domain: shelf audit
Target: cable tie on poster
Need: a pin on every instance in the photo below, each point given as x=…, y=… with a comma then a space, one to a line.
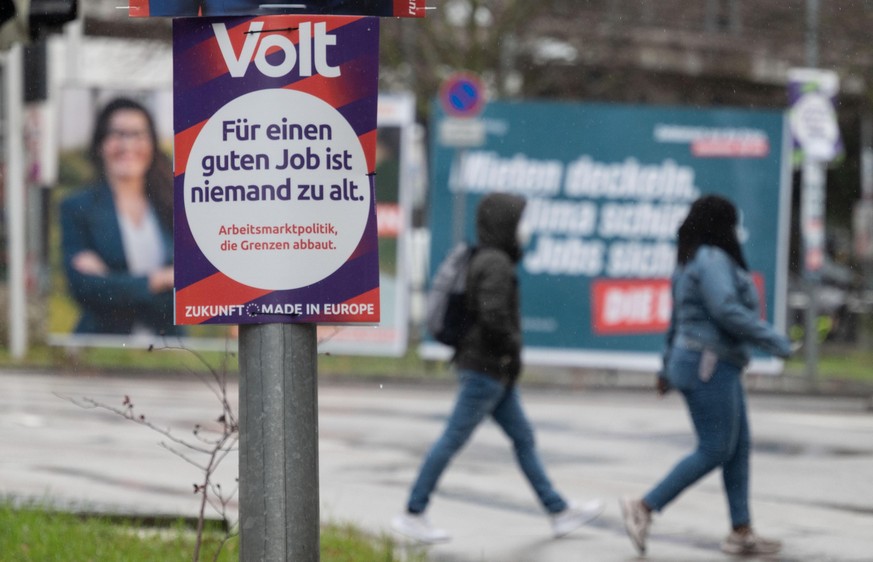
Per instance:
x=251, y=31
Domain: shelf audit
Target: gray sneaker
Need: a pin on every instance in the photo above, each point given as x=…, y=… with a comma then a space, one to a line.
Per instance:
x=418, y=527
x=637, y=520
x=750, y=544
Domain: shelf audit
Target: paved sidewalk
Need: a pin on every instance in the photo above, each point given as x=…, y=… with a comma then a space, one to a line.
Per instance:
x=812, y=464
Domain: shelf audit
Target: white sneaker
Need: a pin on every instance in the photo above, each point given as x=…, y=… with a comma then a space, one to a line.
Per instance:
x=636, y=522
x=418, y=527
x=750, y=544
x=575, y=516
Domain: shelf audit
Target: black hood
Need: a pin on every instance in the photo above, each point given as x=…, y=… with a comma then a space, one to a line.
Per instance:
x=497, y=219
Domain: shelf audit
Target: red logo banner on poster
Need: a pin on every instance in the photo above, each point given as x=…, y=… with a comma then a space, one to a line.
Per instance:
x=640, y=306
x=624, y=306
x=275, y=128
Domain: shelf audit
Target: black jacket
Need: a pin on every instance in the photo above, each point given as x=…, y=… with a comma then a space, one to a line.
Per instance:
x=492, y=345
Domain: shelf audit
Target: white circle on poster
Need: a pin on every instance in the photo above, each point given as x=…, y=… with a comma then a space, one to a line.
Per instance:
x=813, y=122
x=276, y=189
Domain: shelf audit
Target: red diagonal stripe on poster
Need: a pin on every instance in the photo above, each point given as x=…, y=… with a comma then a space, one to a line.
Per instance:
x=334, y=92
x=368, y=142
x=184, y=141
x=207, y=297
x=369, y=298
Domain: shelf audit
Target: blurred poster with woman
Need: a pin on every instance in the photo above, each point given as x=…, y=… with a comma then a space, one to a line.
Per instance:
x=113, y=253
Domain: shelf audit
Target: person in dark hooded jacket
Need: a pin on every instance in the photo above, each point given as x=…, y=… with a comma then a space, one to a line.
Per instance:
x=488, y=361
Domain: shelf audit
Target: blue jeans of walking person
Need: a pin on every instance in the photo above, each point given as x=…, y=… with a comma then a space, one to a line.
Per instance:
x=479, y=396
x=718, y=411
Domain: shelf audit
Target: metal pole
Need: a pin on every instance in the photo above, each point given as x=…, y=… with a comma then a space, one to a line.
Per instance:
x=710, y=18
x=735, y=17
x=866, y=331
x=813, y=210
x=812, y=12
x=867, y=156
x=459, y=198
x=15, y=201
x=279, y=501
x=812, y=217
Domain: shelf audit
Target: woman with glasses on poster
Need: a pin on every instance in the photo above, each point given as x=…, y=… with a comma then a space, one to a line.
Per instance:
x=117, y=235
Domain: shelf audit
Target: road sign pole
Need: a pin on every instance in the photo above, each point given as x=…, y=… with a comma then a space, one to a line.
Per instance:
x=815, y=130
x=462, y=98
x=813, y=221
x=279, y=497
x=459, y=198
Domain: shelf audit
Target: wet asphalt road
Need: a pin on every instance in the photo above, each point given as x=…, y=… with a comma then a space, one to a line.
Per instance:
x=812, y=466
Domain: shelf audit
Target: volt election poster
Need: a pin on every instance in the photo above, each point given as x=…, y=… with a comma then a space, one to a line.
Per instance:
x=607, y=187
x=275, y=135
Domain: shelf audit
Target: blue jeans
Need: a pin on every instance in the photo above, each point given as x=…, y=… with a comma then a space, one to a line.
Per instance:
x=479, y=396
x=718, y=412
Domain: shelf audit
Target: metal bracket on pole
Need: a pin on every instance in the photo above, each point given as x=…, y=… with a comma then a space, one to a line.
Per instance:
x=278, y=461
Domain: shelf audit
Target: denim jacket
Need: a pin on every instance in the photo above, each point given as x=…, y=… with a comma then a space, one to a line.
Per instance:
x=716, y=308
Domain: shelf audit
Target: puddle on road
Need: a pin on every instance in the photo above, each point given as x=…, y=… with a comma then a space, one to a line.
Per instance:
x=807, y=450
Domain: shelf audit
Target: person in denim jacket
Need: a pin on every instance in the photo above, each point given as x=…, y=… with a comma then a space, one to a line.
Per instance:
x=715, y=322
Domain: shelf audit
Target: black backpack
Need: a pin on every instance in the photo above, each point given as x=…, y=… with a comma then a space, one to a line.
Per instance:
x=447, y=319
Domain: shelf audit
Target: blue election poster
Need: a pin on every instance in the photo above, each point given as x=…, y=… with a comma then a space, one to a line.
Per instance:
x=607, y=187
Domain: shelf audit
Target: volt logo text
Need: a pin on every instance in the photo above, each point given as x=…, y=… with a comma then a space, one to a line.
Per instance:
x=309, y=55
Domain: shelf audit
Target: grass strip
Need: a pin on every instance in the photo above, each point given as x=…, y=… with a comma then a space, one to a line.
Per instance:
x=32, y=533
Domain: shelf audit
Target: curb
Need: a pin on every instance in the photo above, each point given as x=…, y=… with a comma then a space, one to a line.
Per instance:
x=787, y=384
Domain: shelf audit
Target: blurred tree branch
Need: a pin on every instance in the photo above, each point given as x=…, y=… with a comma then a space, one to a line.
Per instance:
x=206, y=451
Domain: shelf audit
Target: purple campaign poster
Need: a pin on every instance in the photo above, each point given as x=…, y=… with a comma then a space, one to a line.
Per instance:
x=275, y=134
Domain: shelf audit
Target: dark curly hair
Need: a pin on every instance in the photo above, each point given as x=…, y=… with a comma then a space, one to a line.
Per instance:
x=712, y=220
x=159, y=176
